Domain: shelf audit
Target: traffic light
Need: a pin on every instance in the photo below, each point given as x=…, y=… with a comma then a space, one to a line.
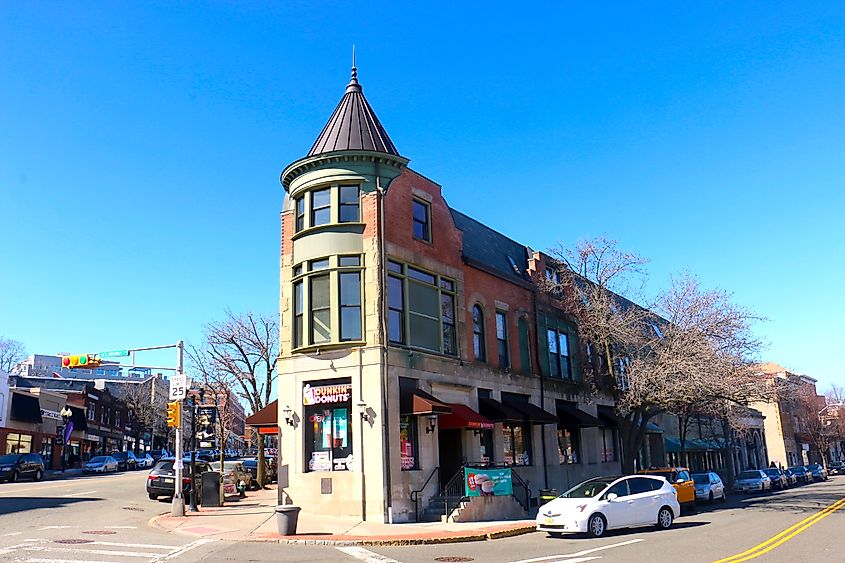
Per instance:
x=174, y=414
x=86, y=361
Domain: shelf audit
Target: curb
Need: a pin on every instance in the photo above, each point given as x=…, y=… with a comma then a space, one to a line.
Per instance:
x=484, y=536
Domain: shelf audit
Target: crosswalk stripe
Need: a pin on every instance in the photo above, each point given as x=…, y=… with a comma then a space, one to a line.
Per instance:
x=365, y=555
x=39, y=560
x=140, y=545
x=182, y=550
x=87, y=551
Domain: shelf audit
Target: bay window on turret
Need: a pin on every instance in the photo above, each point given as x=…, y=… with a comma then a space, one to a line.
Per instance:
x=327, y=301
x=421, y=309
x=336, y=203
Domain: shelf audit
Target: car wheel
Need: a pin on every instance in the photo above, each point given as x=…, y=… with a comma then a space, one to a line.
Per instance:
x=13, y=476
x=596, y=526
x=153, y=496
x=38, y=474
x=724, y=497
x=665, y=518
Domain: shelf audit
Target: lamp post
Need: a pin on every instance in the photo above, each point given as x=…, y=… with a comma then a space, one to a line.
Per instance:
x=66, y=415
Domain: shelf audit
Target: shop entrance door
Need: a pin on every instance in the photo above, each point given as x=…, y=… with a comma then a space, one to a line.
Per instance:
x=451, y=453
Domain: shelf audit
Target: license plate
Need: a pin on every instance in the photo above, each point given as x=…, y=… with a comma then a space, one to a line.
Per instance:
x=550, y=521
x=168, y=479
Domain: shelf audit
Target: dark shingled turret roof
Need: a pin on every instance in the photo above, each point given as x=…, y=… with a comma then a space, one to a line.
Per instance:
x=353, y=126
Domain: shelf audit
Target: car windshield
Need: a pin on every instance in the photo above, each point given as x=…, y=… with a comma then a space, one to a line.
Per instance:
x=119, y=456
x=749, y=475
x=98, y=459
x=701, y=478
x=588, y=489
x=797, y=469
x=772, y=472
x=227, y=466
x=9, y=459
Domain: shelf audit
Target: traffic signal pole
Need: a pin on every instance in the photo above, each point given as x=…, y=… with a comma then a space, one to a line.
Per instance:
x=178, y=506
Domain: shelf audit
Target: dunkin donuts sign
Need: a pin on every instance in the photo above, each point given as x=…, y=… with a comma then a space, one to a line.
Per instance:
x=326, y=394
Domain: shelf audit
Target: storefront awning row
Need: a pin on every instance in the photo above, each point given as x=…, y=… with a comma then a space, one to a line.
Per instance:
x=416, y=401
x=572, y=416
x=464, y=417
x=515, y=411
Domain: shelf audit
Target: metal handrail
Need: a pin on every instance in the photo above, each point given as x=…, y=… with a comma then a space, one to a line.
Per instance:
x=518, y=481
x=454, y=488
x=415, y=494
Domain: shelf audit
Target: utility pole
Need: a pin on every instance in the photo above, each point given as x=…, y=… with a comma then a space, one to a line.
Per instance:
x=193, y=452
x=178, y=507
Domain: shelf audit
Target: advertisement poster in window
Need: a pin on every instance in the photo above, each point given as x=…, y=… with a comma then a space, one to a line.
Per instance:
x=320, y=461
x=406, y=445
x=487, y=482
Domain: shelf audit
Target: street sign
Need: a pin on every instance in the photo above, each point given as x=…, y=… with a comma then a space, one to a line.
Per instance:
x=114, y=354
x=178, y=386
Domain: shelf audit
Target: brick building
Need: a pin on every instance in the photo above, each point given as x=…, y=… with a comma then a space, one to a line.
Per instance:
x=416, y=341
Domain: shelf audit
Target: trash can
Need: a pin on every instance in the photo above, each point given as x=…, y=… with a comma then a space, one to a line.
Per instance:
x=547, y=495
x=210, y=488
x=286, y=517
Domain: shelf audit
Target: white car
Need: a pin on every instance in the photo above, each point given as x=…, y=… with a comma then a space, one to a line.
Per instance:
x=605, y=503
x=100, y=464
x=145, y=461
x=752, y=480
x=708, y=486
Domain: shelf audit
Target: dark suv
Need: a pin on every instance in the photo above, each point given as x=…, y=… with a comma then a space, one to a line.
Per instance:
x=15, y=466
x=125, y=460
x=161, y=482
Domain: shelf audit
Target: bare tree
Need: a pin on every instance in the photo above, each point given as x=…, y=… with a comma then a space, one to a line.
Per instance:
x=815, y=419
x=239, y=354
x=12, y=352
x=691, y=354
x=147, y=410
x=835, y=395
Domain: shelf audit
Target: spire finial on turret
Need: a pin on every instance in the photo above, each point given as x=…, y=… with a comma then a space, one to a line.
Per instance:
x=353, y=85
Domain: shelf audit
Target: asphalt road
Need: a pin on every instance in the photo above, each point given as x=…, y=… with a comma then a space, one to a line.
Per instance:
x=105, y=518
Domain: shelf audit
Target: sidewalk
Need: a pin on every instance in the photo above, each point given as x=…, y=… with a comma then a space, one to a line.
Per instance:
x=253, y=519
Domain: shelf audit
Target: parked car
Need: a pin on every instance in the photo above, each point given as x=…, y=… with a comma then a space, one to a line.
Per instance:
x=818, y=472
x=779, y=479
x=17, y=466
x=836, y=468
x=234, y=473
x=606, y=503
x=252, y=466
x=791, y=477
x=708, y=486
x=161, y=482
x=752, y=480
x=125, y=460
x=145, y=461
x=681, y=479
x=100, y=464
x=803, y=474
x=158, y=454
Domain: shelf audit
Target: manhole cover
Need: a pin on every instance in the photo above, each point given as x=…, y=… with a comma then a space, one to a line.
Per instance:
x=135, y=508
x=454, y=559
x=100, y=532
x=73, y=541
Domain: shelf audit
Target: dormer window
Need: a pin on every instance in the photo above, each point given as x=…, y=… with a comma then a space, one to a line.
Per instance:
x=421, y=212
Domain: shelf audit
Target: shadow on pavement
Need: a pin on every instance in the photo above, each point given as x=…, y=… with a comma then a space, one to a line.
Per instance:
x=631, y=531
x=9, y=505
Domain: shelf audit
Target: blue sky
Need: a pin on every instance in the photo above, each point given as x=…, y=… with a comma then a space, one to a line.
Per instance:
x=141, y=144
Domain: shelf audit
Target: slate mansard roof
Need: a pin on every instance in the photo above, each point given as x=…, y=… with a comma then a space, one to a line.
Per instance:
x=353, y=126
x=491, y=250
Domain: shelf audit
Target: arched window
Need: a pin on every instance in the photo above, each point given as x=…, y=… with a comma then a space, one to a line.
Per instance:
x=478, y=334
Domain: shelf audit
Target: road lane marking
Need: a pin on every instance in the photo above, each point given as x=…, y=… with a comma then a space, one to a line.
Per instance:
x=55, y=527
x=91, y=551
x=182, y=550
x=787, y=534
x=12, y=548
x=576, y=560
x=580, y=553
x=147, y=545
x=78, y=494
x=13, y=533
x=63, y=560
x=365, y=555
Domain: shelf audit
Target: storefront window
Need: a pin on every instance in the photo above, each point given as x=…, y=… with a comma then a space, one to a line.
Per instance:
x=47, y=449
x=608, y=437
x=517, y=442
x=18, y=444
x=568, y=444
x=486, y=447
x=408, y=443
x=328, y=426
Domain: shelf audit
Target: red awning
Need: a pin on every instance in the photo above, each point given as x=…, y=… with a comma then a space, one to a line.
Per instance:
x=268, y=416
x=463, y=417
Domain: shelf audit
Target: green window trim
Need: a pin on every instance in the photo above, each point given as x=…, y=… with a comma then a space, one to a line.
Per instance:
x=421, y=309
x=330, y=204
x=327, y=295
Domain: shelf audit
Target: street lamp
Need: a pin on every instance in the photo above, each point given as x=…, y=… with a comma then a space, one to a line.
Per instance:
x=66, y=415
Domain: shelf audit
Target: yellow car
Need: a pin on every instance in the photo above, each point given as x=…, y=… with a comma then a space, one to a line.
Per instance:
x=681, y=479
